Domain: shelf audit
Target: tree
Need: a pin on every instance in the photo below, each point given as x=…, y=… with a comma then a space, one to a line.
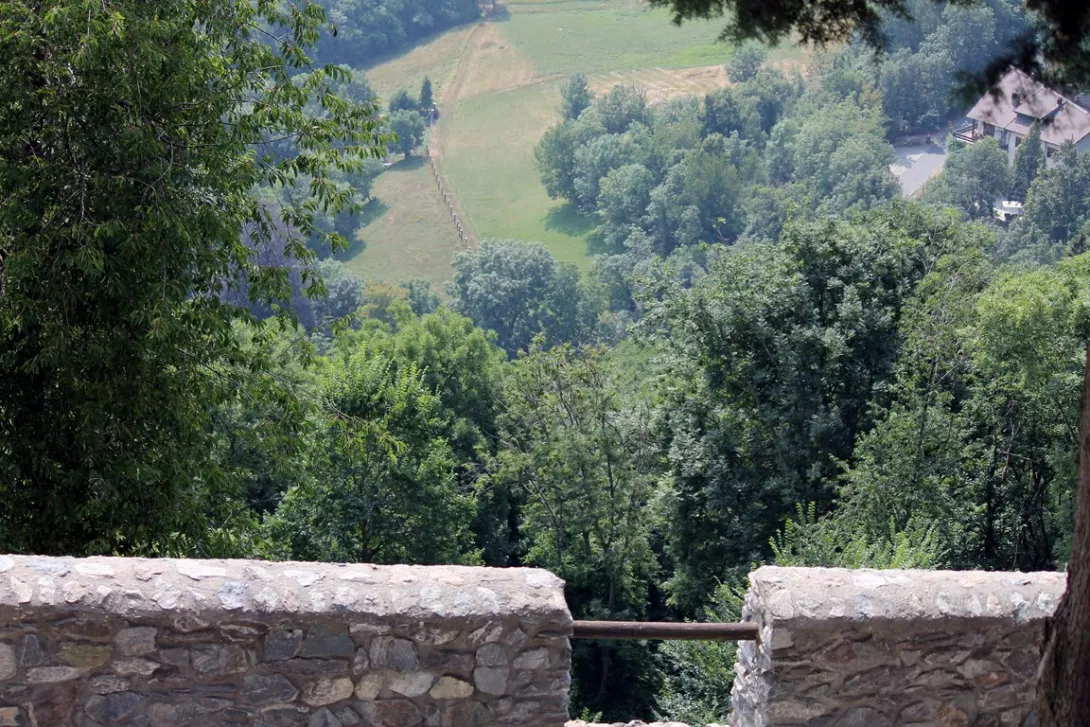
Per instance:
x=518, y=290
x=746, y=62
x=778, y=358
x=699, y=674
x=402, y=101
x=916, y=89
x=839, y=153
x=622, y=202
x=622, y=107
x=125, y=191
x=726, y=111
x=555, y=157
x=980, y=438
x=364, y=179
x=426, y=100
x=770, y=92
x=974, y=178
x=1029, y=161
x=575, y=97
x=369, y=29
x=381, y=486
x=422, y=298
x=462, y=366
x=584, y=458
x=555, y=153
x=1057, y=204
x=408, y=129
x=344, y=293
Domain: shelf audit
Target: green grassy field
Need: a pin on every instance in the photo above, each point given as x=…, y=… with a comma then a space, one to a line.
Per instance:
x=498, y=86
x=490, y=160
x=588, y=37
x=406, y=232
x=435, y=58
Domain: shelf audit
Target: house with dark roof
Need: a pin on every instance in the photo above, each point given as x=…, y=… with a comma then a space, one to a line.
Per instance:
x=1020, y=102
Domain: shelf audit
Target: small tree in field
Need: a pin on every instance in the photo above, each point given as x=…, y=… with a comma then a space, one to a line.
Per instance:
x=402, y=101
x=426, y=100
x=575, y=97
x=408, y=127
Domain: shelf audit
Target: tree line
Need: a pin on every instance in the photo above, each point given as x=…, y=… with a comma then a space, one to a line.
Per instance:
x=358, y=32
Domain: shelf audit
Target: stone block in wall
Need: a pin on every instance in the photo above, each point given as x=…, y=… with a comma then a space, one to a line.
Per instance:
x=184, y=643
x=868, y=648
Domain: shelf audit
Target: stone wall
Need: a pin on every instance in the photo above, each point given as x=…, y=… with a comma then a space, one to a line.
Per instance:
x=842, y=648
x=169, y=643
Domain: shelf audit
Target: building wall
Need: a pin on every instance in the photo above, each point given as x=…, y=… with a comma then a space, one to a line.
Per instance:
x=891, y=648
x=169, y=643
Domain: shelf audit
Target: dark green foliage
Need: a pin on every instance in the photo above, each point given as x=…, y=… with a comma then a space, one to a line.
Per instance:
x=746, y=62
x=583, y=454
x=575, y=97
x=980, y=439
x=1057, y=208
x=925, y=63
x=623, y=196
x=518, y=291
x=364, y=179
x=974, y=178
x=840, y=541
x=784, y=353
x=834, y=146
x=123, y=199
x=408, y=129
x=369, y=29
x=1053, y=46
x=1029, y=161
x=555, y=155
x=601, y=155
x=770, y=92
x=622, y=107
x=402, y=101
x=727, y=112
x=344, y=293
x=422, y=298
x=916, y=92
x=698, y=675
x=821, y=376
x=426, y=100
x=381, y=484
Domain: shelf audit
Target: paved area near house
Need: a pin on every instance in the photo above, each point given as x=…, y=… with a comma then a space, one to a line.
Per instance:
x=917, y=163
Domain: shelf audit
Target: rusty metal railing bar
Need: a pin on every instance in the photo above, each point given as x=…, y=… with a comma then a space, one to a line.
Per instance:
x=666, y=631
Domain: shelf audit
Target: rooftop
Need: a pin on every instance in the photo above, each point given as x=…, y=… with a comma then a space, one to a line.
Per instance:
x=1061, y=118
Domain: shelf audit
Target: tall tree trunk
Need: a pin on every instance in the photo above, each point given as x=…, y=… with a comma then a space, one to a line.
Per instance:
x=1063, y=679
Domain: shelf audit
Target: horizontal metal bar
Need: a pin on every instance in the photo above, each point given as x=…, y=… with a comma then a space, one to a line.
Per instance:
x=667, y=631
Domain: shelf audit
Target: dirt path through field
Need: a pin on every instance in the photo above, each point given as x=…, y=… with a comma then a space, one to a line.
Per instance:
x=448, y=105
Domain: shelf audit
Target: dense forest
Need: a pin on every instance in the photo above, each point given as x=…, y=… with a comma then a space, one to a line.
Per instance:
x=774, y=359
x=361, y=31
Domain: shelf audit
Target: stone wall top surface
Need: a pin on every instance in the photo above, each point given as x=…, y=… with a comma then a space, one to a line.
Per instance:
x=862, y=648
x=808, y=596
x=134, y=588
x=216, y=643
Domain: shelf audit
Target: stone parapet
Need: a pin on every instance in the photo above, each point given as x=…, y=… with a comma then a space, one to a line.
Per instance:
x=864, y=648
x=170, y=643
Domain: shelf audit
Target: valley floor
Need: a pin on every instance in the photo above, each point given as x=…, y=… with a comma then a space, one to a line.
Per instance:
x=498, y=86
